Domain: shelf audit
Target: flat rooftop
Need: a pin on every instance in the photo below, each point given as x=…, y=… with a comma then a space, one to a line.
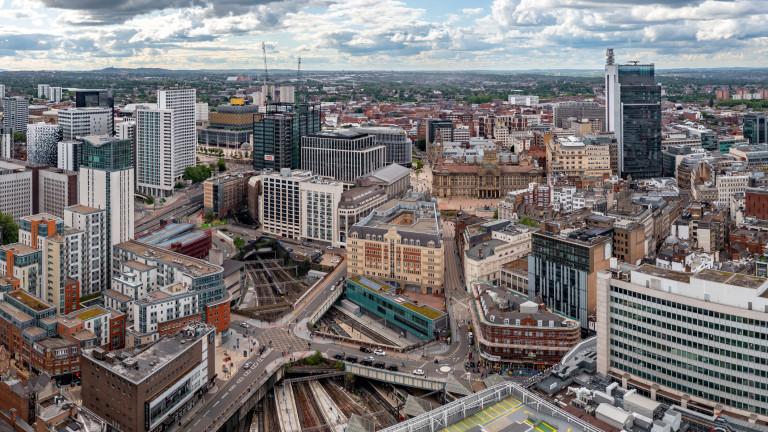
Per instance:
x=192, y=266
x=17, y=314
x=89, y=313
x=139, y=366
x=29, y=300
x=484, y=249
x=18, y=249
x=79, y=208
x=385, y=290
x=503, y=305
x=664, y=273
x=738, y=279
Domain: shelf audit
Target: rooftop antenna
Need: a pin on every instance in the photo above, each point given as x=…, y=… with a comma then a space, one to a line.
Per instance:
x=609, y=56
x=298, y=78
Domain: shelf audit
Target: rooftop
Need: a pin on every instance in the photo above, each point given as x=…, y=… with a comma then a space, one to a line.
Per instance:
x=413, y=220
x=193, y=266
x=79, y=208
x=738, y=279
x=484, y=249
x=138, y=366
x=349, y=133
x=18, y=248
x=29, y=300
x=390, y=173
x=17, y=314
x=664, y=273
x=383, y=289
x=500, y=306
x=89, y=313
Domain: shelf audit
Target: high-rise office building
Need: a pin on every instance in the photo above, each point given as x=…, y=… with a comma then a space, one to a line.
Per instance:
x=277, y=134
x=343, y=155
x=80, y=122
x=184, y=133
x=107, y=182
x=154, y=152
x=63, y=258
x=57, y=189
x=15, y=114
x=2, y=91
x=562, y=271
x=439, y=130
x=94, y=263
x=695, y=340
x=34, y=230
x=633, y=113
x=395, y=139
x=54, y=94
x=320, y=209
x=92, y=98
x=280, y=202
x=42, y=143
x=756, y=128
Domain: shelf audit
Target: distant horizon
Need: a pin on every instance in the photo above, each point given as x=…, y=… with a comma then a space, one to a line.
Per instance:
x=404, y=35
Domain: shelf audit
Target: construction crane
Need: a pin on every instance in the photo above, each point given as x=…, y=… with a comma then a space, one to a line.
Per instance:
x=266, y=71
x=298, y=79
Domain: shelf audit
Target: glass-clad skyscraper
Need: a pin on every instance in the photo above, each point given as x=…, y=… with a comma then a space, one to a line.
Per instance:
x=277, y=134
x=633, y=113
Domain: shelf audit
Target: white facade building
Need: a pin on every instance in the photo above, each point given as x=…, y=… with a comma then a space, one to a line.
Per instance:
x=15, y=190
x=15, y=114
x=728, y=185
x=68, y=155
x=56, y=190
x=201, y=112
x=280, y=202
x=524, y=100
x=95, y=262
x=80, y=122
x=343, y=155
x=184, y=131
x=697, y=338
x=320, y=209
x=154, y=152
x=395, y=139
x=484, y=261
x=42, y=143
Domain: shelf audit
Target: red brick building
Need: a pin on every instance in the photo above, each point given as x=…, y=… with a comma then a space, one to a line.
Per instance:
x=756, y=203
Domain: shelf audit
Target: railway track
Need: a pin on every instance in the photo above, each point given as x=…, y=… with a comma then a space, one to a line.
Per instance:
x=308, y=411
x=345, y=403
x=383, y=418
x=271, y=422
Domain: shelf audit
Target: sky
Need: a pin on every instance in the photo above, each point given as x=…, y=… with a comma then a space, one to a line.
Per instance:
x=380, y=34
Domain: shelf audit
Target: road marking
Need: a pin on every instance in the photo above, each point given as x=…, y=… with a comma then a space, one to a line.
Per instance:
x=217, y=402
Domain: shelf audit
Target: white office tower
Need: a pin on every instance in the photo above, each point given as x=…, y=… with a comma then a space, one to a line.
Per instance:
x=15, y=190
x=280, y=202
x=68, y=155
x=42, y=91
x=2, y=91
x=184, y=132
x=54, y=94
x=271, y=93
x=154, y=152
x=15, y=114
x=319, y=210
x=106, y=182
x=286, y=94
x=95, y=255
x=42, y=143
x=6, y=144
x=80, y=122
x=126, y=129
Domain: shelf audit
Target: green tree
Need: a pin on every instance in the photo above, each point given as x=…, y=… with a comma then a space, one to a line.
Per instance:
x=197, y=174
x=9, y=229
x=208, y=216
x=221, y=165
x=149, y=200
x=19, y=137
x=421, y=144
x=239, y=243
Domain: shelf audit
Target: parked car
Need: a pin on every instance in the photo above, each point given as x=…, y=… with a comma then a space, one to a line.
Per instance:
x=248, y=365
x=393, y=368
x=379, y=365
x=366, y=362
x=418, y=372
x=351, y=359
x=379, y=352
x=365, y=349
x=338, y=356
x=244, y=324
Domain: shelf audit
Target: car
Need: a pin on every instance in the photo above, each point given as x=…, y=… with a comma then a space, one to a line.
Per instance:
x=333, y=288
x=379, y=365
x=351, y=359
x=365, y=349
x=418, y=372
x=371, y=358
x=244, y=324
x=329, y=247
x=366, y=362
x=248, y=365
x=393, y=368
x=379, y=352
x=338, y=356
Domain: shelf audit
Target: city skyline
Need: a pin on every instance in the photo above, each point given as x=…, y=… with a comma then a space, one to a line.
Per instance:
x=371, y=35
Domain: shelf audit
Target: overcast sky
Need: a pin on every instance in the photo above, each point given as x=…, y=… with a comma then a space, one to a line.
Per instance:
x=380, y=34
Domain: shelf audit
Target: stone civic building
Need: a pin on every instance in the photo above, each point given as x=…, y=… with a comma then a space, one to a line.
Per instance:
x=487, y=180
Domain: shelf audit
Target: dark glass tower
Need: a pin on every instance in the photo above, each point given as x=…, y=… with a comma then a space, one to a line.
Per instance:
x=755, y=128
x=641, y=118
x=277, y=134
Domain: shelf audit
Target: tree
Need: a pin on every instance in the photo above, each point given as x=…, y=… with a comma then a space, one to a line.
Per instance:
x=421, y=144
x=149, y=200
x=239, y=243
x=208, y=216
x=19, y=137
x=221, y=165
x=197, y=174
x=9, y=229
